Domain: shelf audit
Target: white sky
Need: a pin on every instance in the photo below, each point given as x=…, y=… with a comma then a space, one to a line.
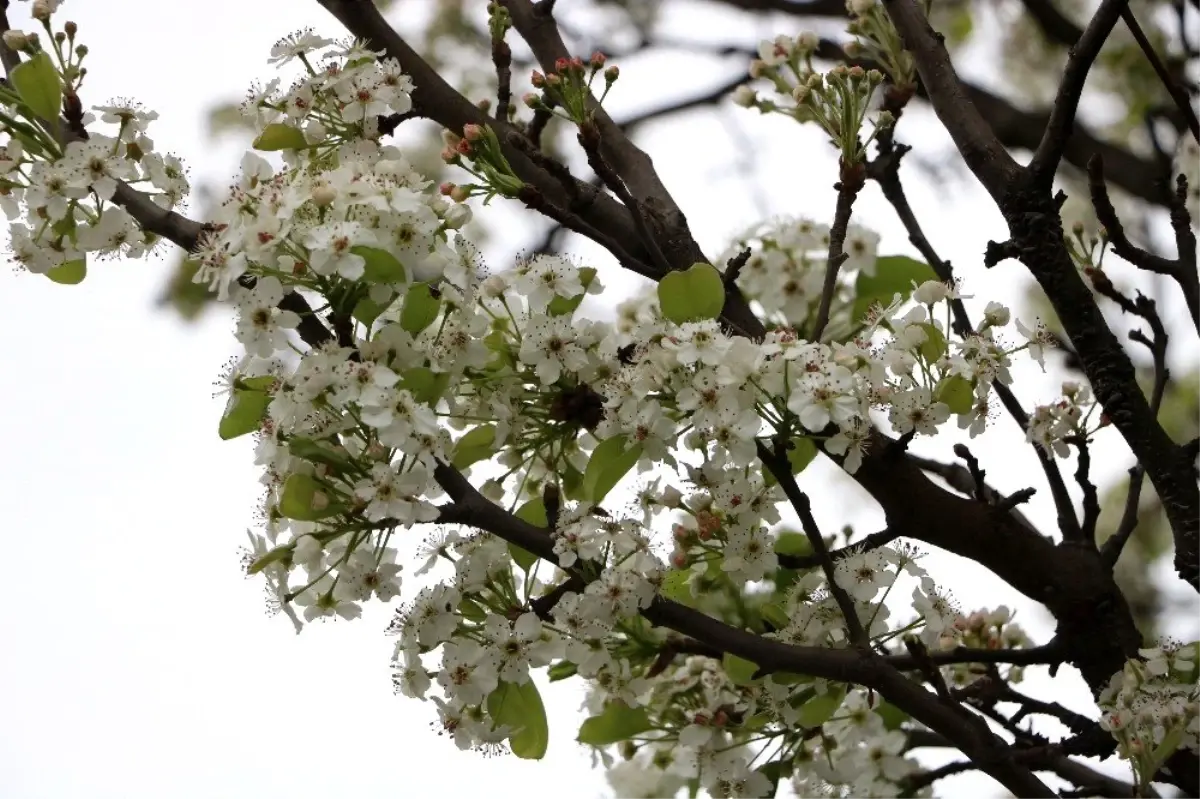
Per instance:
x=136, y=660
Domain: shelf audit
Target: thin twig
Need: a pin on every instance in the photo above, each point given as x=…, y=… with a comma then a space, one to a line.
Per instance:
x=1182, y=101
x=853, y=176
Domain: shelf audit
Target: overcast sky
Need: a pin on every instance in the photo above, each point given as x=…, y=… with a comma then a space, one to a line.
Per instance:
x=136, y=661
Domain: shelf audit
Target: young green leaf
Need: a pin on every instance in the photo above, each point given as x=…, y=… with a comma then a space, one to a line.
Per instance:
x=739, y=670
x=477, y=445
x=534, y=512
x=821, y=707
x=561, y=670
x=520, y=707
x=379, y=266
x=894, y=274
x=957, y=393
x=69, y=273
x=420, y=308
x=934, y=346
x=278, y=136
x=617, y=722
x=424, y=384
x=299, y=499
x=39, y=86
x=609, y=462
x=244, y=414
x=698, y=293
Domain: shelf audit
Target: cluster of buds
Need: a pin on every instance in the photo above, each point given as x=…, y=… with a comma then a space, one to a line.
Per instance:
x=876, y=38
x=1152, y=707
x=838, y=101
x=480, y=146
x=67, y=53
x=1065, y=421
x=1087, y=249
x=982, y=629
x=566, y=91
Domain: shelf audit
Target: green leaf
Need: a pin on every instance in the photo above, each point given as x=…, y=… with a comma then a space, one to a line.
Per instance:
x=69, y=273
x=380, y=266
x=520, y=707
x=776, y=614
x=279, y=553
x=608, y=464
x=740, y=670
x=471, y=610
x=934, y=346
x=309, y=450
x=477, y=445
x=698, y=293
x=821, y=707
x=533, y=512
x=244, y=413
x=367, y=310
x=676, y=586
x=773, y=771
x=298, y=497
x=892, y=716
x=278, y=136
x=957, y=393
x=572, y=483
x=894, y=274
x=424, y=384
x=792, y=543
x=39, y=85
x=420, y=308
x=562, y=670
x=801, y=454
x=617, y=722
x=564, y=306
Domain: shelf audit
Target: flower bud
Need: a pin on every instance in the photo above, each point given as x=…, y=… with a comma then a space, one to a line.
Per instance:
x=324, y=195
x=493, y=490
x=71, y=28
x=41, y=10
x=456, y=216
x=597, y=61
x=538, y=80
x=472, y=132
x=807, y=41
x=16, y=40
x=611, y=74
x=745, y=96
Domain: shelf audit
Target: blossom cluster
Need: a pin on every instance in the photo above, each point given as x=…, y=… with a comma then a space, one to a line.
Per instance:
x=785, y=273
x=1152, y=706
x=429, y=368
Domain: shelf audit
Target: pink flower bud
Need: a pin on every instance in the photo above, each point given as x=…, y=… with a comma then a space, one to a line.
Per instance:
x=562, y=65
x=472, y=132
x=537, y=79
x=597, y=60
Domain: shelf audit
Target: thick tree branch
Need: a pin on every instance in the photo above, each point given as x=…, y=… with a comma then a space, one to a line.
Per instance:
x=842, y=665
x=1062, y=114
x=983, y=152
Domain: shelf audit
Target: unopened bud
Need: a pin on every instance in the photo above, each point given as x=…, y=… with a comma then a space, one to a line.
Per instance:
x=597, y=60
x=531, y=100
x=41, y=10
x=612, y=73
x=324, y=195
x=460, y=194
x=71, y=28
x=745, y=96
x=16, y=40
x=472, y=132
